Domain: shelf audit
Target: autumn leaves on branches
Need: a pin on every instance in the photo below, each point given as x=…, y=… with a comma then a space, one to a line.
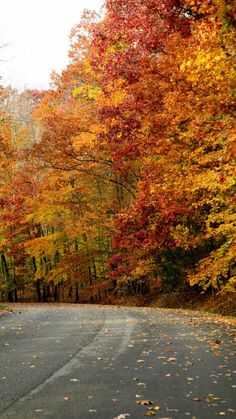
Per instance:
x=130, y=158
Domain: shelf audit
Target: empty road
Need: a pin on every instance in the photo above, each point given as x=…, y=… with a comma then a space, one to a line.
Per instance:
x=85, y=362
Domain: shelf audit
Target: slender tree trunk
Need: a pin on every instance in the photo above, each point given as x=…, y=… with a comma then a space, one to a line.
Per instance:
x=76, y=293
x=37, y=283
x=90, y=275
x=15, y=293
x=55, y=293
x=48, y=293
x=70, y=295
x=94, y=270
x=44, y=293
x=6, y=275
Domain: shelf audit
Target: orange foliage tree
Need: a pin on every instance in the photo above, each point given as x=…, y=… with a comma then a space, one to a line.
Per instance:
x=125, y=181
x=168, y=107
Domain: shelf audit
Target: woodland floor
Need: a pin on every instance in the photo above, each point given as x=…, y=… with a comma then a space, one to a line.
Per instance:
x=224, y=305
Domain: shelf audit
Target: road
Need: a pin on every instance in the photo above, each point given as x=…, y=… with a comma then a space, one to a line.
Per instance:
x=85, y=362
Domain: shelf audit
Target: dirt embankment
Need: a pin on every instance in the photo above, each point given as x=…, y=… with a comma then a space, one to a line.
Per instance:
x=219, y=304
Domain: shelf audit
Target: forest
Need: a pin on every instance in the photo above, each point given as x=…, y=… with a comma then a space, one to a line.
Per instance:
x=119, y=180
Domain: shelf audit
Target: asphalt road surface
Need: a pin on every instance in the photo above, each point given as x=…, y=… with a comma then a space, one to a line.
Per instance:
x=85, y=362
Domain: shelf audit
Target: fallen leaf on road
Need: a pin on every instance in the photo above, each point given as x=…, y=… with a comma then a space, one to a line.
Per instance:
x=150, y=413
x=122, y=416
x=144, y=402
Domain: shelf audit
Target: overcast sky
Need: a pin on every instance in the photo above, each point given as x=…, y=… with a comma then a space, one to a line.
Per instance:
x=34, y=38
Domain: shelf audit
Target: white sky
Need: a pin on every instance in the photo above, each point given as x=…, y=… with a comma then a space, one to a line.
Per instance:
x=36, y=34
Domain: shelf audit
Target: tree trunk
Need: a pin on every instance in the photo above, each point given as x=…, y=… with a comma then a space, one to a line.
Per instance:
x=37, y=283
x=6, y=276
x=76, y=293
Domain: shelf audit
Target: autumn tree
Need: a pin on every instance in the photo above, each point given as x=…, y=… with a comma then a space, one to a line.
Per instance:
x=158, y=96
x=121, y=180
